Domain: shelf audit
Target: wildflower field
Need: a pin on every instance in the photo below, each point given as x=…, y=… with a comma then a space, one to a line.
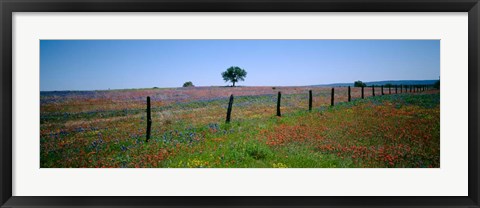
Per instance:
x=107, y=129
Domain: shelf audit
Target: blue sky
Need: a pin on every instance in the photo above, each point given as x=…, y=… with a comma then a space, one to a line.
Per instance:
x=122, y=64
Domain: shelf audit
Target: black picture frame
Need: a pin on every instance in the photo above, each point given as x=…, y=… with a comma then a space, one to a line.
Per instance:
x=7, y=7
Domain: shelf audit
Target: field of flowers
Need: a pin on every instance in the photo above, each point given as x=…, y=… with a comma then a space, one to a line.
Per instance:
x=100, y=129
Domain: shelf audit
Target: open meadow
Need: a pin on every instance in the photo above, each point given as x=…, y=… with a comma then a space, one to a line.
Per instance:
x=102, y=129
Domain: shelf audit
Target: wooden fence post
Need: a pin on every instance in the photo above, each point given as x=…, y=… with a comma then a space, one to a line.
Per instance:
x=278, y=104
x=382, y=89
x=310, y=98
x=373, y=90
x=396, y=92
x=332, y=100
x=362, y=92
x=229, y=109
x=349, y=97
x=389, y=90
x=149, y=119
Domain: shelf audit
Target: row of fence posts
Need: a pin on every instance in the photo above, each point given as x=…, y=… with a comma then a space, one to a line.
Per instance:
x=408, y=88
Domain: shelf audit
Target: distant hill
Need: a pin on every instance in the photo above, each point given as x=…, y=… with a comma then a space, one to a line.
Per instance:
x=393, y=82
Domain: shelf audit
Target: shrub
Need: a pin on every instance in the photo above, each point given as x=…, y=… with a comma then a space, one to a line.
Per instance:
x=188, y=84
x=359, y=84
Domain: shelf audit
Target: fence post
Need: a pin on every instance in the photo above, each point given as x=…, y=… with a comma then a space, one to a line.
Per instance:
x=362, y=92
x=373, y=90
x=278, y=104
x=382, y=89
x=332, y=100
x=149, y=119
x=389, y=90
x=349, y=97
x=229, y=109
x=401, y=89
x=310, y=100
x=396, y=92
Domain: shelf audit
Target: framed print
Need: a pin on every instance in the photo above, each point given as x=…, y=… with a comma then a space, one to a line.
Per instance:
x=236, y=103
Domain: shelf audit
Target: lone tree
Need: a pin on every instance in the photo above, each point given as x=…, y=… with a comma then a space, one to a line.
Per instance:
x=234, y=74
x=359, y=84
x=188, y=84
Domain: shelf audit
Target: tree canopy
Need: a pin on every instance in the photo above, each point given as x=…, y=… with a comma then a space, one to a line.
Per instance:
x=234, y=74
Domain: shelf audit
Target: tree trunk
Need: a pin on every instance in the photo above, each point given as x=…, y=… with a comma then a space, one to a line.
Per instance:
x=233, y=84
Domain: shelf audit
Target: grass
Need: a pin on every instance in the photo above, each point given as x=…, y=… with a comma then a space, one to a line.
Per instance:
x=401, y=130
